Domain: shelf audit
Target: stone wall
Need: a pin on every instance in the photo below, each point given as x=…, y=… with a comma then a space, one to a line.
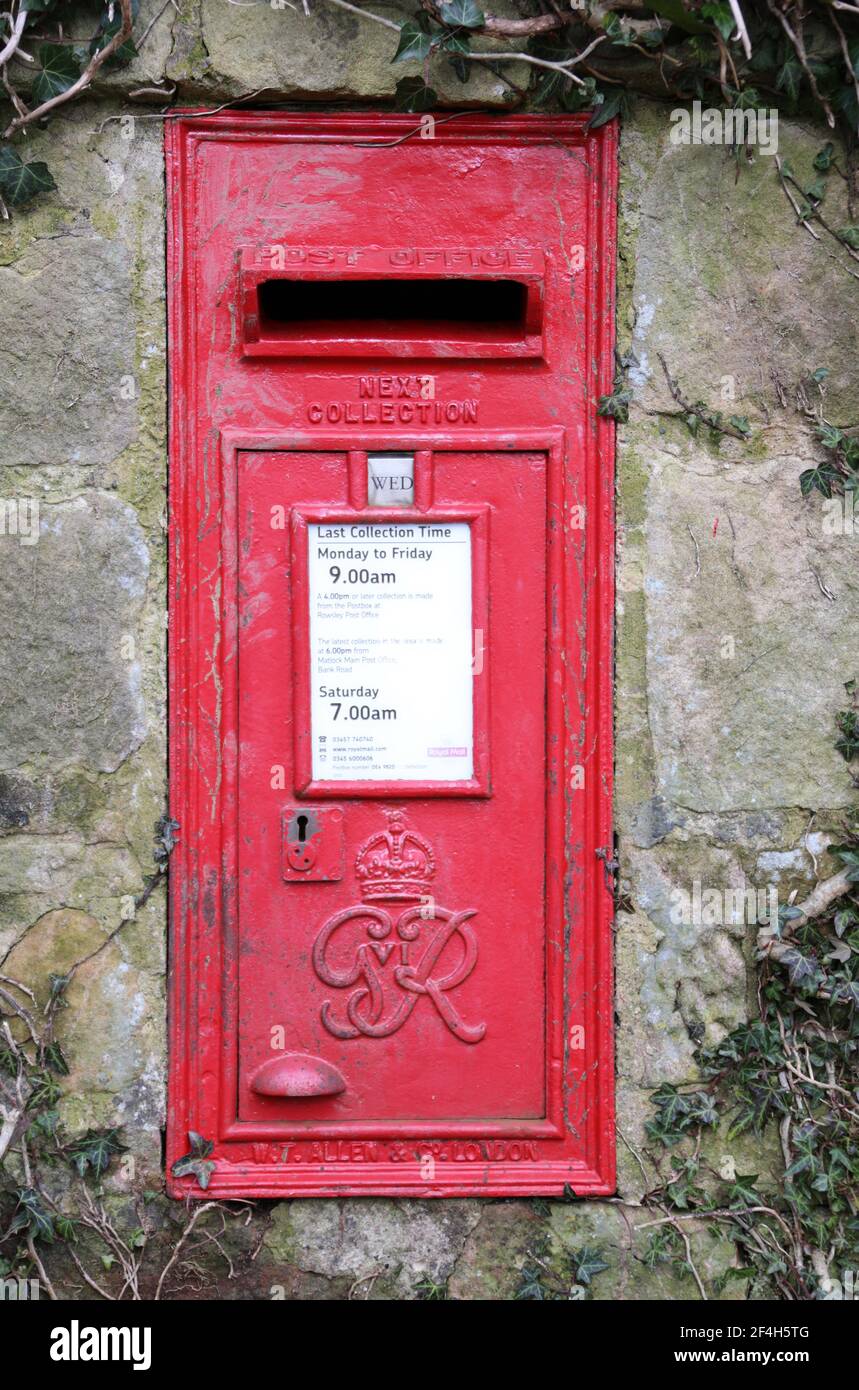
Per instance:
x=734, y=640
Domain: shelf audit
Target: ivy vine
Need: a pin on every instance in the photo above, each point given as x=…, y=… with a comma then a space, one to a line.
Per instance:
x=594, y=55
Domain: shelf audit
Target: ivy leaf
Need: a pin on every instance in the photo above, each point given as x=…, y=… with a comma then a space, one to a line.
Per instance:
x=614, y=104
x=830, y=436
x=457, y=44
x=462, y=14
x=801, y=969
x=199, y=1168
x=109, y=26
x=66, y=1229
x=197, y=1163
x=53, y=1059
x=60, y=70
x=19, y=182
x=721, y=16
x=824, y=157
x=742, y=1191
x=676, y=12
x=94, y=1150
x=615, y=406
x=46, y=1122
x=413, y=94
x=165, y=840
x=588, y=1262
x=531, y=1287
x=820, y=478
x=200, y=1147
x=847, y=993
x=30, y=1216
x=848, y=856
x=58, y=984
x=414, y=44
x=850, y=236
x=789, y=78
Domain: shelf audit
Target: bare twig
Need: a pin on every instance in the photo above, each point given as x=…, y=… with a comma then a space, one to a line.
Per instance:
x=199, y=1211
x=43, y=1273
x=86, y=77
x=845, y=52
x=103, y=1293
x=697, y=550
x=742, y=31
x=707, y=417
x=565, y=67
x=798, y=41
x=17, y=32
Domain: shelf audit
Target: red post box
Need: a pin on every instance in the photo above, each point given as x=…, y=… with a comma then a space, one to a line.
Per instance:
x=391, y=559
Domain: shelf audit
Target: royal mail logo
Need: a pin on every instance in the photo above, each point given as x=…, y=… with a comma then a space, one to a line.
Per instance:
x=389, y=966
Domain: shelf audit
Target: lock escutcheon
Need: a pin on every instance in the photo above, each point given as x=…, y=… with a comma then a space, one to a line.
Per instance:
x=312, y=844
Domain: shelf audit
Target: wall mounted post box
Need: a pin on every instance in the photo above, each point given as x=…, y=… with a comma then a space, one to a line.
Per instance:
x=390, y=653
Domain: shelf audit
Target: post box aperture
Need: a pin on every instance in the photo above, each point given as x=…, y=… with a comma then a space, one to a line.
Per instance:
x=390, y=654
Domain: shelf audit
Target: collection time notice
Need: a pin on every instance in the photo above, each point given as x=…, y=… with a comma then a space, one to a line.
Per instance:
x=390, y=651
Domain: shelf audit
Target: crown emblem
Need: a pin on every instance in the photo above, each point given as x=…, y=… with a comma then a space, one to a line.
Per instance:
x=395, y=865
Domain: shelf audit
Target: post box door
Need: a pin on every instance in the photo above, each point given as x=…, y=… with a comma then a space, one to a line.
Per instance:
x=392, y=923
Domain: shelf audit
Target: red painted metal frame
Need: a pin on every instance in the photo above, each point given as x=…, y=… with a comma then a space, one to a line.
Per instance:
x=203, y=691
x=479, y=783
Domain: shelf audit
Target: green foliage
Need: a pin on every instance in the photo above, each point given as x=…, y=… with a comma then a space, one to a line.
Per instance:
x=31, y=1219
x=429, y=1292
x=59, y=70
x=848, y=729
x=615, y=406
x=415, y=43
x=20, y=182
x=462, y=14
x=548, y=1280
x=413, y=94
x=586, y=1263
x=110, y=24
x=53, y=1059
x=196, y=1163
x=839, y=472
x=59, y=64
x=165, y=840
x=699, y=413
x=33, y=1067
x=678, y=1113
x=792, y=1070
x=695, y=43
x=93, y=1151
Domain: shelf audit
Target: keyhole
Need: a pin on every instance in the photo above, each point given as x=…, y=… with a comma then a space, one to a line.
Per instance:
x=302, y=829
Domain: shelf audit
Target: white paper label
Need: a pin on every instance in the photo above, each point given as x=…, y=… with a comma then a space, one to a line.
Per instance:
x=390, y=651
